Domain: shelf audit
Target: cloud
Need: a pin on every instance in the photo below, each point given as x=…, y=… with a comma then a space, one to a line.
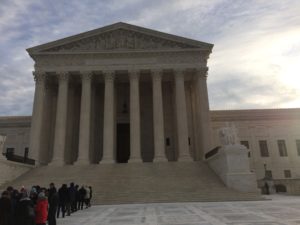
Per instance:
x=254, y=63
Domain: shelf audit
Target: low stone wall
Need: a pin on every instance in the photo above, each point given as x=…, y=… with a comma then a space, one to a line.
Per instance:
x=231, y=164
x=292, y=185
x=11, y=170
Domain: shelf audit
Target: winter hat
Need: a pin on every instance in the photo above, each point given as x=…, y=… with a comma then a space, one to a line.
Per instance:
x=41, y=195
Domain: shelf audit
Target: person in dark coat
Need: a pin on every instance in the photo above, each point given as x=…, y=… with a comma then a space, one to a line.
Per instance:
x=64, y=198
x=53, y=199
x=72, y=193
x=24, y=213
x=5, y=209
x=77, y=197
x=82, y=193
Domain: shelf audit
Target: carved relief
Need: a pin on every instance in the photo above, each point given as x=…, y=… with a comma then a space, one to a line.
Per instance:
x=118, y=40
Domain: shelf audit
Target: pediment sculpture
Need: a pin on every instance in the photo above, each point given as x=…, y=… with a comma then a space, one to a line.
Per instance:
x=120, y=39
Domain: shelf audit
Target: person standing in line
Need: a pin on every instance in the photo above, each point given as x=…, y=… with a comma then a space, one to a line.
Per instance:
x=72, y=194
x=87, y=196
x=63, y=198
x=24, y=213
x=91, y=195
x=5, y=209
x=53, y=201
x=82, y=193
x=41, y=209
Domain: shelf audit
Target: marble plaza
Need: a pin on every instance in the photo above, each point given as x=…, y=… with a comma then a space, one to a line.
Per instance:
x=278, y=211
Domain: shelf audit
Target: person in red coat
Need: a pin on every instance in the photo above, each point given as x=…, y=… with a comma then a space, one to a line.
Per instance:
x=41, y=209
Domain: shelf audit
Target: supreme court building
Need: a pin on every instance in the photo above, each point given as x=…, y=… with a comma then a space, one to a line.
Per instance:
x=120, y=93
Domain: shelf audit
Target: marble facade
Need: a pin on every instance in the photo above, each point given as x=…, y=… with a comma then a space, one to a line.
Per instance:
x=91, y=86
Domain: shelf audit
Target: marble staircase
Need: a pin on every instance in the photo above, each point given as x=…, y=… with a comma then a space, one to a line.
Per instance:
x=139, y=182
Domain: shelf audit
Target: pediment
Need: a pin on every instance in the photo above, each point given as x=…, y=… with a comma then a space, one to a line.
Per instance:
x=118, y=37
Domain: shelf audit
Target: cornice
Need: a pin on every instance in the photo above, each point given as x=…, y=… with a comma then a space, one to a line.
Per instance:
x=255, y=114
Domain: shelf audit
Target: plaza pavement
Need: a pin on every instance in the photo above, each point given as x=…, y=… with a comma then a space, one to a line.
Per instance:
x=277, y=211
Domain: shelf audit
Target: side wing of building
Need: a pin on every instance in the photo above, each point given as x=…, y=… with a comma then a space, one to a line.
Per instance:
x=272, y=136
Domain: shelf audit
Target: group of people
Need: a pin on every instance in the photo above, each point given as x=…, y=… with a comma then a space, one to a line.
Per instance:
x=39, y=205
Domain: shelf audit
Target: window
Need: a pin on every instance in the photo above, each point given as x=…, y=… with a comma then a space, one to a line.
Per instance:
x=298, y=146
x=269, y=174
x=282, y=148
x=245, y=143
x=287, y=174
x=263, y=146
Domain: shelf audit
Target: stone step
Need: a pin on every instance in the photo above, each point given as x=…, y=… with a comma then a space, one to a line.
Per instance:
x=139, y=182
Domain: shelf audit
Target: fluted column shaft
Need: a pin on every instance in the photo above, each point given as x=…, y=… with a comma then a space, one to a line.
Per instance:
x=61, y=120
x=109, y=118
x=181, y=118
x=203, y=115
x=37, y=115
x=85, y=119
x=158, y=118
x=135, y=129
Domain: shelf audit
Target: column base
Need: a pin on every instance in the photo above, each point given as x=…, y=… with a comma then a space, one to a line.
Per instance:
x=82, y=162
x=107, y=161
x=57, y=163
x=136, y=160
x=160, y=159
x=185, y=159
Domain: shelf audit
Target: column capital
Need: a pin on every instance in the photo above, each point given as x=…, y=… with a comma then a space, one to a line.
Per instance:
x=201, y=72
x=39, y=77
x=179, y=73
x=62, y=76
x=156, y=74
x=109, y=75
x=134, y=74
x=86, y=75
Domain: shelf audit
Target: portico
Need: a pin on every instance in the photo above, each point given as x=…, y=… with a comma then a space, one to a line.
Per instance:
x=120, y=92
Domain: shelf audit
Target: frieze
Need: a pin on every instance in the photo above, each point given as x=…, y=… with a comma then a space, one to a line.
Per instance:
x=118, y=40
x=110, y=59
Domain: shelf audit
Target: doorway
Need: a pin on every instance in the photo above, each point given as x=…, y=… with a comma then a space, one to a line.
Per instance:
x=123, y=142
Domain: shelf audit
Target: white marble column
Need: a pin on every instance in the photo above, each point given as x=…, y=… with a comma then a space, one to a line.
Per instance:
x=203, y=114
x=37, y=116
x=61, y=120
x=158, y=118
x=181, y=118
x=109, y=118
x=135, y=129
x=85, y=119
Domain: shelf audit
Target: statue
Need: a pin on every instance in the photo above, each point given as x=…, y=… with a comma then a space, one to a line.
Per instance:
x=2, y=141
x=228, y=135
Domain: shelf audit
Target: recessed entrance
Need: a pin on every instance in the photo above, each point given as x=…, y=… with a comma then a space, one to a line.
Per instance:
x=123, y=142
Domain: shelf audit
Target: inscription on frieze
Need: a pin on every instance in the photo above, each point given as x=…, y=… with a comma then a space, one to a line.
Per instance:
x=118, y=40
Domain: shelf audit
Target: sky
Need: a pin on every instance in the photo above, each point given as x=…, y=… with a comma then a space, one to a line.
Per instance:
x=255, y=63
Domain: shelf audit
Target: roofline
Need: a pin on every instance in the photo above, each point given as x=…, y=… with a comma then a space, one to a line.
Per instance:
x=114, y=26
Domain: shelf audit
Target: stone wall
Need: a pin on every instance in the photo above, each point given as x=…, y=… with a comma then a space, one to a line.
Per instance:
x=11, y=170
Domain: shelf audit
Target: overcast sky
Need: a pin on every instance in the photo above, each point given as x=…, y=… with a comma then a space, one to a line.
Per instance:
x=255, y=61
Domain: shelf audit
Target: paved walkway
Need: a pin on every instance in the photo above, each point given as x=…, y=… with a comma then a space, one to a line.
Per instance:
x=280, y=210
